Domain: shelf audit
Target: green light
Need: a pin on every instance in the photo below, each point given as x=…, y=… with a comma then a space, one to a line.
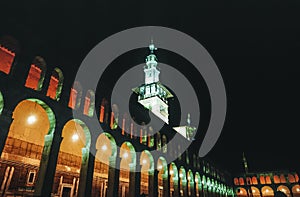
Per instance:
x=1, y=103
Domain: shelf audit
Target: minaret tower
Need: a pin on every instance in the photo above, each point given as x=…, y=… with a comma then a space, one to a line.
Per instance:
x=153, y=95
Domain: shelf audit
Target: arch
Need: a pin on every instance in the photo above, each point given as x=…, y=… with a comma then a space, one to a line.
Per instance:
x=147, y=169
x=183, y=181
x=241, y=180
x=114, y=118
x=1, y=103
x=262, y=179
x=254, y=180
x=106, y=149
x=36, y=74
x=158, y=141
x=268, y=180
x=9, y=48
x=267, y=191
x=236, y=181
x=128, y=155
x=282, y=178
x=255, y=192
x=241, y=192
x=103, y=111
x=204, y=182
x=89, y=103
x=296, y=190
x=276, y=179
x=291, y=178
x=164, y=142
x=30, y=137
x=73, y=155
x=198, y=183
x=190, y=178
x=106, y=152
x=75, y=95
x=55, y=84
x=285, y=190
x=173, y=171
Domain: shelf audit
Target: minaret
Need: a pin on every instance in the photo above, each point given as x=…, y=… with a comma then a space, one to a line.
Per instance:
x=153, y=95
x=245, y=163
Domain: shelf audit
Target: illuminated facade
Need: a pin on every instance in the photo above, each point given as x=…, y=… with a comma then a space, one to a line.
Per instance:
x=267, y=184
x=46, y=152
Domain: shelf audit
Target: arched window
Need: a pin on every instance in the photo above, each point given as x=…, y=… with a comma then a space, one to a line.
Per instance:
x=89, y=103
x=249, y=181
x=282, y=179
x=164, y=144
x=55, y=84
x=262, y=180
x=276, y=179
x=158, y=141
x=236, y=181
x=254, y=180
x=75, y=95
x=36, y=75
x=268, y=180
x=103, y=111
x=8, y=49
x=241, y=180
x=291, y=178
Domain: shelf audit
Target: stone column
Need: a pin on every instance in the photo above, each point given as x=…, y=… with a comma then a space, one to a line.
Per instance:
x=166, y=185
x=153, y=184
x=138, y=179
x=86, y=173
x=113, y=176
x=48, y=163
x=5, y=122
x=132, y=183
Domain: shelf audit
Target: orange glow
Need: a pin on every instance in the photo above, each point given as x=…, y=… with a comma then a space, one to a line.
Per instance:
x=73, y=98
x=52, y=89
x=241, y=180
x=87, y=104
x=236, y=181
x=254, y=180
x=262, y=180
x=112, y=117
x=123, y=126
x=101, y=118
x=33, y=77
x=6, y=60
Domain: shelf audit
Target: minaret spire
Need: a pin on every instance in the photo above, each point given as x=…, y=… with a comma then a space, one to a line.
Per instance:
x=245, y=163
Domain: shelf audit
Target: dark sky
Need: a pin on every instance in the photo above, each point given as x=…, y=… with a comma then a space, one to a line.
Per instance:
x=255, y=44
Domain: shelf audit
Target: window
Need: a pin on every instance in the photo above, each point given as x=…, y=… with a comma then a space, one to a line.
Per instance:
x=36, y=75
x=31, y=177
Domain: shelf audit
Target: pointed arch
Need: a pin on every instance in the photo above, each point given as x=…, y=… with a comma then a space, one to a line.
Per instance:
x=36, y=74
x=267, y=191
x=147, y=170
x=285, y=190
x=9, y=48
x=75, y=95
x=55, y=84
x=190, y=179
x=89, y=103
x=198, y=183
x=296, y=190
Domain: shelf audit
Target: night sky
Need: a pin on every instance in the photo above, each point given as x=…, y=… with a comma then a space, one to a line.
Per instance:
x=255, y=44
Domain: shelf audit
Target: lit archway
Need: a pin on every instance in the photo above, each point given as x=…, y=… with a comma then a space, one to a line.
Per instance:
x=29, y=139
x=255, y=192
x=55, y=84
x=190, y=185
x=198, y=184
x=147, y=169
x=183, y=181
x=267, y=191
x=241, y=192
x=105, y=157
x=162, y=168
x=285, y=190
x=127, y=165
x=1, y=103
x=173, y=171
x=296, y=190
x=73, y=158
